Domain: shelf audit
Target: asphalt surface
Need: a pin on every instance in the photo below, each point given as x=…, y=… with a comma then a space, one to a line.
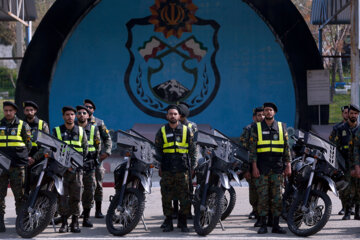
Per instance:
x=237, y=226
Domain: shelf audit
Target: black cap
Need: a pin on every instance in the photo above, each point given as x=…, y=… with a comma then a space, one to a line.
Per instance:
x=344, y=107
x=172, y=106
x=91, y=102
x=30, y=104
x=270, y=104
x=78, y=107
x=354, y=108
x=258, y=109
x=184, y=109
x=68, y=108
x=9, y=103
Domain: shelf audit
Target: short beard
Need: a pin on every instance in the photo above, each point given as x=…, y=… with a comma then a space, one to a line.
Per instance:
x=81, y=121
x=269, y=118
x=173, y=121
x=30, y=117
x=353, y=120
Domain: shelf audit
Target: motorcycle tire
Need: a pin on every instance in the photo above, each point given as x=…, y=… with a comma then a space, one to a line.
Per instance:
x=134, y=203
x=229, y=204
x=296, y=217
x=45, y=206
x=215, y=201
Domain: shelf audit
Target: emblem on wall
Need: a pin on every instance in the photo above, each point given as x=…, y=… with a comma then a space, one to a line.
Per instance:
x=172, y=58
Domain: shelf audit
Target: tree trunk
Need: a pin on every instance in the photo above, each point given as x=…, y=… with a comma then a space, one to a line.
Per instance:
x=333, y=79
x=340, y=67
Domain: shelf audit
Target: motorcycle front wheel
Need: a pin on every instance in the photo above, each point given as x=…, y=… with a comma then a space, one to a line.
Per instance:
x=122, y=220
x=30, y=224
x=205, y=220
x=229, y=202
x=311, y=219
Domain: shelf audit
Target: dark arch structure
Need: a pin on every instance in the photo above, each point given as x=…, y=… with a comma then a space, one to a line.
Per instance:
x=281, y=16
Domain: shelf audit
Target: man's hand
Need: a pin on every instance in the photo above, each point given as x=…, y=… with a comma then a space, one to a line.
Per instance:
x=288, y=170
x=103, y=156
x=247, y=175
x=357, y=171
x=159, y=172
x=255, y=171
x=31, y=161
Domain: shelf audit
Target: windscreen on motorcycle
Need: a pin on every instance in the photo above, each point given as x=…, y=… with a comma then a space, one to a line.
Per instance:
x=4, y=162
x=61, y=151
x=142, y=148
x=328, y=149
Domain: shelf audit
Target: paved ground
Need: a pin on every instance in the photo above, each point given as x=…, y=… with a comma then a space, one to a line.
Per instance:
x=237, y=226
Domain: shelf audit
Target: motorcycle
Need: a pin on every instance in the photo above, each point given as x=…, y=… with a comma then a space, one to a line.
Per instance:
x=212, y=179
x=305, y=198
x=132, y=181
x=39, y=209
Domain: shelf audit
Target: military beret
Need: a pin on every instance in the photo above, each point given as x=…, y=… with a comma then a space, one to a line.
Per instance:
x=78, y=107
x=172, y=106
x=344, y=107
x=354, y=108
x=68, y=108
x=270, y=104
x=258, y=109
x=30, y=104
x=91, y=102
x=9, y=103
x=184, y=109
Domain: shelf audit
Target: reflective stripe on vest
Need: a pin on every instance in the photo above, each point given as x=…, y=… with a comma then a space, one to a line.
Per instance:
x=75, y=144
x=91, y=147
x=40, y=127
x=13, y=141
x=181, y=147
x=270, y=145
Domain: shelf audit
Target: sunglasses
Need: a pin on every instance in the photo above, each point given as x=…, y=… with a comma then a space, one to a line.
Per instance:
x=81, y=113
x=89, y=107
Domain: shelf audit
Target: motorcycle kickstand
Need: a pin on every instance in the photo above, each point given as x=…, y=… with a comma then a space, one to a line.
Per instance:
x=53, y=223
x=143, y=221
x=221, y=225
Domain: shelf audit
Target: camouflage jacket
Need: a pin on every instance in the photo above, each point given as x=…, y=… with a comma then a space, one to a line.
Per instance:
x=245, y=136
x=104, y=134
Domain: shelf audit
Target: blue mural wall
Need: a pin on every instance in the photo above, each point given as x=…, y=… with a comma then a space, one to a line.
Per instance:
x=222, y=66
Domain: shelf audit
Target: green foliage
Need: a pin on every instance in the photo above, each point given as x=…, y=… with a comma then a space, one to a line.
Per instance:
x=335, y=107
x=5, y=80
x=7, y=33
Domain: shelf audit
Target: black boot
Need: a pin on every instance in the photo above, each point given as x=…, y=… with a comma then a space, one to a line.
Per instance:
x=98, y=213
x=183, y=223
x=74, y=226
x=2, y=224
x=64, y=225
x=263, y=228
x=352, y=212
x=168, y=224
x=341, y=212
x=86, y=221
x=258, y=222
x=347, y=214
x=357, y=212
x=276, y=227
x=270, y=220
x=252, y=215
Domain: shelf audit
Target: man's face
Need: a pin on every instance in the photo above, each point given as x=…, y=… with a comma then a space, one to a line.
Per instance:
x=269, y=113
x=82, y=115
x=345, y=114
x=9, y=112
x=173, y=116
x=353, y=116
x=259, y=116
x=90, y=107
x=29, y=112
x=69, y=117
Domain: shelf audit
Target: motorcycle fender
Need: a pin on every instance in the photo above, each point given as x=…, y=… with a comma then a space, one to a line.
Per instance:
x=58, y=184
x=235, y=176
x=145, y=181
x=223, y=179
x=331, y=185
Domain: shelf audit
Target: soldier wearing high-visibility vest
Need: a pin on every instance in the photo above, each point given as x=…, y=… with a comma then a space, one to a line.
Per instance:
x=174, y=145
x=69, y=203
x=269, y=151
x=90, y=162
x=15, y=142
x=343, y=140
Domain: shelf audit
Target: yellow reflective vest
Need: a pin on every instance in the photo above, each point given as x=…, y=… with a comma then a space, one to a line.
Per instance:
x=76, y=144
x=266, y=145
x=175, y=146
x=12, y=138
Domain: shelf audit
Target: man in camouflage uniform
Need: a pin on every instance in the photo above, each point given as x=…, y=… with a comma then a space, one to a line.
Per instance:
x=343, y=140
x=345, y=116
x=15, y=142
x=106, y=145
x=258, y=116
x=76, y=137
x=90, y=162
x=355, y=172
x=174, y=145
x=269, y=152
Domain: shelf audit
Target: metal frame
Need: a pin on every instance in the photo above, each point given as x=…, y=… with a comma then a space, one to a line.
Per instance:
x=18, y=14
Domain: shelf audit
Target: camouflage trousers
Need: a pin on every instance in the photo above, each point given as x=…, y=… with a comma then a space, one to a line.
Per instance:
x=16, y=177
x=253, y=195
x=351, y=194
x=89, y=184
x=99, y=175
x=269, y=194
x=175, y=186
x=69, y=203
